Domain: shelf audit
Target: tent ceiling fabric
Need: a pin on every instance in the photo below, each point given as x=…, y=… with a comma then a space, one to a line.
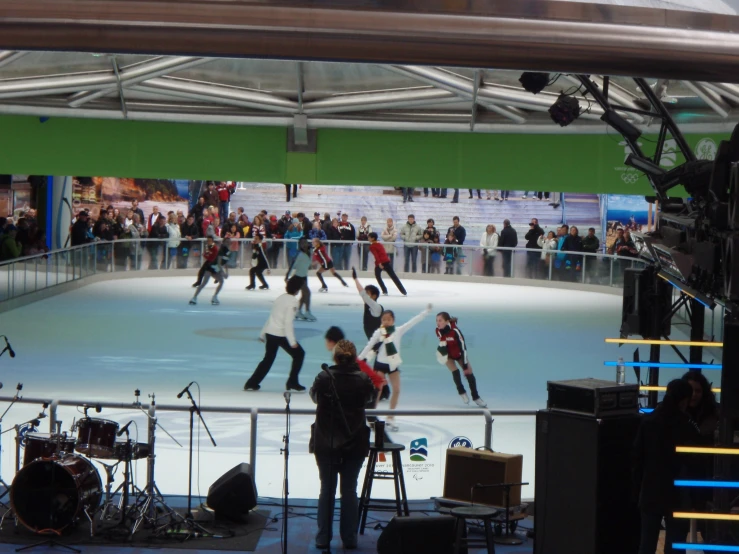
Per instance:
x=726, y=7
x=338, y=95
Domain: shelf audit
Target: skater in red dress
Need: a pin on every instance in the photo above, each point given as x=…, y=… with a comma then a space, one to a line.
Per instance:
x=321, y=256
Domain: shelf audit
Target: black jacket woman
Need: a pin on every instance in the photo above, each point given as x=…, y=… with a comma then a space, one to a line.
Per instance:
x=340, y=440
x=656, y=465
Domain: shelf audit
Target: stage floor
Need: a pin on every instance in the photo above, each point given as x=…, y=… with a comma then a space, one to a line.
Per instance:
x=104, y=340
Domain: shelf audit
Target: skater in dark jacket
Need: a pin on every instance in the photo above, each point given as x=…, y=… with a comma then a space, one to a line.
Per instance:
x=452, y=350
x=259, y=264
x=321, y=256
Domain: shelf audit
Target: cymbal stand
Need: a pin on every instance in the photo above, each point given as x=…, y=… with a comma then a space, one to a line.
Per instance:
x=110, y=470
x=151, y=497
x=15, y=399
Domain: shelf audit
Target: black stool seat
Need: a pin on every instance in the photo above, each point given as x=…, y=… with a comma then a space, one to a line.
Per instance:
x=399, y=504
x=475, y=512
x=484, y=513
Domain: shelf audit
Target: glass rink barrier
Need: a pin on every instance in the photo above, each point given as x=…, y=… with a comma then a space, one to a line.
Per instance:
x=160, y=434
x=30, y=274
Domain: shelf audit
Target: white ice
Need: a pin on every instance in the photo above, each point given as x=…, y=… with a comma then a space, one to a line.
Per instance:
x=104, y=340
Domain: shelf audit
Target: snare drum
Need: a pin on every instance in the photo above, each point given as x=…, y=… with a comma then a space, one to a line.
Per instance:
x=96, y=437
x=49, y=495
x=139, y=450
x=46, y=445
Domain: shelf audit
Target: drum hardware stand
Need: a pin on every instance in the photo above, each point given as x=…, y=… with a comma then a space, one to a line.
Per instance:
x=110, y=477
x=51, y=543
x=286, y=454
x=15, y=399
x=151, y=498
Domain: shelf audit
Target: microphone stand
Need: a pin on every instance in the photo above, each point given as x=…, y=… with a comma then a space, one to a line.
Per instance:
x=15, y=399
x=194, y=409
x=286, y=455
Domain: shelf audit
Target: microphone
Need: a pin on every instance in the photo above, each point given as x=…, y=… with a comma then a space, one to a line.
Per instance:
x=286, y=395
x=324, y=367
x=10, y=348
x=98, y=408
x=183, y=391
x=125, y=428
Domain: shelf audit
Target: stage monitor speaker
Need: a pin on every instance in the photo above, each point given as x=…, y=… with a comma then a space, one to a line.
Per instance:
x=647, y=300
x=466, y=467
x=583, y=485
x=234, y=494
x=418, y=534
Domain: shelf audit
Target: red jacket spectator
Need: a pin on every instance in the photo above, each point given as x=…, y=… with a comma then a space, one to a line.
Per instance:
x=225, y=190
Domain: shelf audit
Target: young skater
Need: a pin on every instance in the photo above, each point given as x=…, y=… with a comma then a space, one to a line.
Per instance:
x=452, y=350
x=372, y=317
x=259, y=264
x=333, y=336
x=215, y=263
x=320, y=255
x=277, y=333
x=382, y=263
x=299, y=269
x=388, y=357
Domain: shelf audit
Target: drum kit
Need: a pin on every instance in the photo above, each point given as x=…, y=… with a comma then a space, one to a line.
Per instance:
x=59, y=486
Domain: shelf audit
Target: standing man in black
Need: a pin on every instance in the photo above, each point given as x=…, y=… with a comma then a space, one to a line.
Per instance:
x=190, y=231
x=458, y=230
x=287, y=192
x=508, y=239
x=591, y=245
x=79, y=229
x=533, y=258
x=135, y=208
x=656, y=466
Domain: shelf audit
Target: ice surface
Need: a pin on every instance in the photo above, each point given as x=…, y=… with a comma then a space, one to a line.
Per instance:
x=101, y=342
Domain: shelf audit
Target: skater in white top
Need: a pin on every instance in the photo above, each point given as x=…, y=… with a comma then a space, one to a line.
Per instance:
x=388, y=356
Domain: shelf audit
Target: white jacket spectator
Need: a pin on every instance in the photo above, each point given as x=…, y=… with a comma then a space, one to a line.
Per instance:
x=174, y=233
x=389, y=236
x=489, y=242
x=547, y=244
x=411, y=232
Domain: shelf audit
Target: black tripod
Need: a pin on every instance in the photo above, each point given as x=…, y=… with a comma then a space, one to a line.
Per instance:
x=195, y=529
x=18, y=388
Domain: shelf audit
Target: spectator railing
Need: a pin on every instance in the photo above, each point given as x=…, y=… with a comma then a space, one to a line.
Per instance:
x=253, y=413
x=30, y=274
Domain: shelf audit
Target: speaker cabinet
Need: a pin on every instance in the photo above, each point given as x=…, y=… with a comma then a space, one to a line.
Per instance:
x=466, y=468
x=417, y=534
x=583, y=501
x=234, y=494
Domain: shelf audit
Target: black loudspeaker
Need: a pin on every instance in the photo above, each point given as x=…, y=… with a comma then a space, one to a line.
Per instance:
x=416, y=534
x=583, y=485
x=647, y=300
x=234, y=494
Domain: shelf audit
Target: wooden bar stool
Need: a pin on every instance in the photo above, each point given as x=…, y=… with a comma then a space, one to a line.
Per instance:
x=399, y=505
x=484, y=513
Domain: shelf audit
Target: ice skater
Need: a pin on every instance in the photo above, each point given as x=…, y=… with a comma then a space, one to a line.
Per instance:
x=299, y=269
x=320, y=255
x=277, y=333
x=372, y=317
x=388, y=358
x=259, y=264
x=215, y=267
x=382, y=263
x=452, y=350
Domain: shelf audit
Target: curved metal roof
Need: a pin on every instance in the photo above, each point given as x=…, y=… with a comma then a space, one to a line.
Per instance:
x=333, y=95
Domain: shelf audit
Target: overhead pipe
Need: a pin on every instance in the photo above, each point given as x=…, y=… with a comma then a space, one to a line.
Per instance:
x=139, y=73
x=710, y=97
x=726, y=90
x=215, y=93
x=324, y=123
x=8, y=57
x=68, y=83
x=446, y=81
x=496, y=94
x=379, y=100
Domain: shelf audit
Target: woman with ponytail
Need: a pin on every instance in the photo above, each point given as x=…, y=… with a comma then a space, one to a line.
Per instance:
x=323, y=259
x=388, y=359
x=452, y=350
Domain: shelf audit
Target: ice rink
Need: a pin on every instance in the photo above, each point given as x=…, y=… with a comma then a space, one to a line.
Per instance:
x=104, y=340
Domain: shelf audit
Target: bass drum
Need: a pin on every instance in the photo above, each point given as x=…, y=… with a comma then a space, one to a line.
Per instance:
x=49, y=495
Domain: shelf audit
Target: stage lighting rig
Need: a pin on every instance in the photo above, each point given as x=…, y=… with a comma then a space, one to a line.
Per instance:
x=565, y=110
x=621, y=125
x=534, y=82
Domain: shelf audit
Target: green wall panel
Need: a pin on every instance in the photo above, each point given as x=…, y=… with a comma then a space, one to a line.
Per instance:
x=140, y=149
x=564, y=162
